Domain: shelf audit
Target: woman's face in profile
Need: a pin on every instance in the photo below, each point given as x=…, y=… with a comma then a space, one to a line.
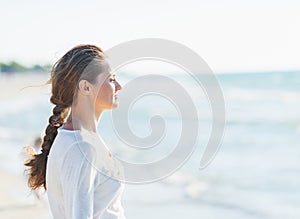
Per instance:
x=107, y=87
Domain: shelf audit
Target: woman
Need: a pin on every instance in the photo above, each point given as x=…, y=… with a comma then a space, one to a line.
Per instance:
x=81, y=177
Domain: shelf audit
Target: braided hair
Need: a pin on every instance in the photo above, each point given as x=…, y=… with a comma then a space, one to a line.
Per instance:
x=65, y=76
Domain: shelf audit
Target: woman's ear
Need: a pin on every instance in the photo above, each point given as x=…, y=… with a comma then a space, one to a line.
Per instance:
x=85, y=87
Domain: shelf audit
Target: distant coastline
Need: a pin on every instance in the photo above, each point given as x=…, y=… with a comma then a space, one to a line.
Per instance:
x=15, y=67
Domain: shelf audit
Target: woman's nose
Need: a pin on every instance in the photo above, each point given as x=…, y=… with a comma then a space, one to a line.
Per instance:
x=118, y=86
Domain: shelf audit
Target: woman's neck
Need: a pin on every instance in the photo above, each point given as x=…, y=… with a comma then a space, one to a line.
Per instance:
x=79, y=119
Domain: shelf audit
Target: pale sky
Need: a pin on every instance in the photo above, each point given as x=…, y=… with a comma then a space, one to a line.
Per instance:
x=231, y=36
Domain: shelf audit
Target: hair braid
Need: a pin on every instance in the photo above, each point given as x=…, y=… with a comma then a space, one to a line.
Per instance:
x=37, y=171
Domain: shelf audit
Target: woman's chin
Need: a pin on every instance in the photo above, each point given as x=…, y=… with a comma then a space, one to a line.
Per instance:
x=115, y=105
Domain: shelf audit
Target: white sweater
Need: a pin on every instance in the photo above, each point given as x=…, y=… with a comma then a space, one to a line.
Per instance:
x=80, y=178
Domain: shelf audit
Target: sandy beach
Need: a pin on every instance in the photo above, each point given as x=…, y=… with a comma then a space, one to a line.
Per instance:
x=16, y=199
x=15, y=86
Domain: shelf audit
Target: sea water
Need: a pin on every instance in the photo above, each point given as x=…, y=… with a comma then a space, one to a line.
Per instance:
x=255, y=173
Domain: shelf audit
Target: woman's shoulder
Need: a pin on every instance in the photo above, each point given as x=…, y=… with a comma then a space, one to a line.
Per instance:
x=81, y=149
x=82, y=146
x=76, y=141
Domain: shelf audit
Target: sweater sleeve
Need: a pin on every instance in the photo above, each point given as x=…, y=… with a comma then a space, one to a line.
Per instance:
x=78, y=174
